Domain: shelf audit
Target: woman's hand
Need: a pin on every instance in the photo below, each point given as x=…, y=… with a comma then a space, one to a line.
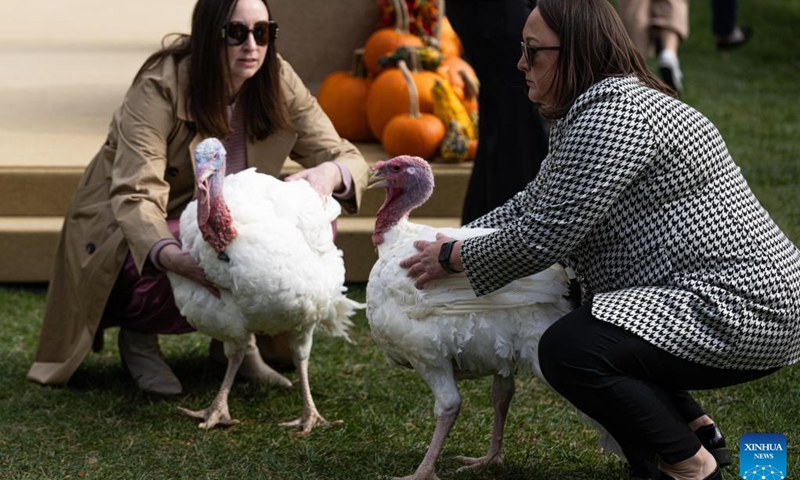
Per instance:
x=176, y=260
x=424, y=266
x=325, y=178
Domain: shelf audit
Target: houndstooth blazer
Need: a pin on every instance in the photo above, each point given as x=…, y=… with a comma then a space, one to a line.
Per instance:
x=641, y=198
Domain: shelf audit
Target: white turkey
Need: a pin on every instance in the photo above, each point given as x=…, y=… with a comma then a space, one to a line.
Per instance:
x=445, y=332
x=267, y=245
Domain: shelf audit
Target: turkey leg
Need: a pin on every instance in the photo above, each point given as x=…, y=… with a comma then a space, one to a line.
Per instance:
x=301, y=348
x=502, y=391
x=446, y=408
x=217, y=413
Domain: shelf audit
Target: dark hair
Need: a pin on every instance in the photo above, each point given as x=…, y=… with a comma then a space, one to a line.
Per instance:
x=261, y=96
x=594, y=46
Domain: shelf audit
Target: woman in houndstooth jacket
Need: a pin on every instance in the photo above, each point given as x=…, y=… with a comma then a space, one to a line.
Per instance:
x=687, y=282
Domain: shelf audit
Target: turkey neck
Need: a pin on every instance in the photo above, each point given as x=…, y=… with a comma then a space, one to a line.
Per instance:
x=397, y=206
x=217, y=228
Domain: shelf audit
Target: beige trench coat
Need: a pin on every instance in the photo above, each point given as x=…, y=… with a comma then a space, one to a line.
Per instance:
x=143, y=174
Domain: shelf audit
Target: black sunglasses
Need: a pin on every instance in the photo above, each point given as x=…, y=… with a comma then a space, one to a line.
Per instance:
x=529, y=52
x=264, y=33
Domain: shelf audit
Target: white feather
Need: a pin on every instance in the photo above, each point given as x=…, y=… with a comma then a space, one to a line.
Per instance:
x=284, y=274
x=446, y=323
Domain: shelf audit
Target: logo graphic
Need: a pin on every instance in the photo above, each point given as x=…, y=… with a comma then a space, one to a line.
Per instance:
x=762, y=456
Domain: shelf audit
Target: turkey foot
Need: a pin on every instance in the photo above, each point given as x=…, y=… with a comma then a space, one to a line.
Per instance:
x=472, y=463
x=215, y=415
x=308, y=422
x=502, y=393
x=311, y=417
x=419, y=476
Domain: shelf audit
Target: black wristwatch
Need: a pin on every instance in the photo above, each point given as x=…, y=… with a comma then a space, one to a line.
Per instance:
x=444, y=257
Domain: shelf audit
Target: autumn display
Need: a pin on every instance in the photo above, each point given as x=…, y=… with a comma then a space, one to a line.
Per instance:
x=436, y=115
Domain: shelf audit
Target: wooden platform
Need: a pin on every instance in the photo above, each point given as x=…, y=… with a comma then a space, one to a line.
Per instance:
x=63, y=74
x=34, y=199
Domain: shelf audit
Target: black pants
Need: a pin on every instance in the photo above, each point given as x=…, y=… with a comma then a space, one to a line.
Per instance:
x=637, y=391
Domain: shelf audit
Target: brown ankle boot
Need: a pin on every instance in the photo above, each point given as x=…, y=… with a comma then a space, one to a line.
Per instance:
x=252, y=369
x=143, y=359
x=275, y=351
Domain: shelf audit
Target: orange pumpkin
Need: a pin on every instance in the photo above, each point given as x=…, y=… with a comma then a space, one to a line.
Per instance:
x=450, y=68
x=449, y=43
x=472, y=149
x=388, y=95
x=385, y=41
x=343, y=97
x=413, y=133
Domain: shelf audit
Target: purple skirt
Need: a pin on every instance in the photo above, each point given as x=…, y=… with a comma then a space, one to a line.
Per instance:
x=144, y=304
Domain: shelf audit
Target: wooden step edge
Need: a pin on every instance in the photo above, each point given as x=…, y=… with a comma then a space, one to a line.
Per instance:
x=372, y=152
x=12, y=225
x=41, y=170
x=39, y=192
x=30, y=245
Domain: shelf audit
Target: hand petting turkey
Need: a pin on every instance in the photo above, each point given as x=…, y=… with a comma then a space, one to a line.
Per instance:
x=325, y=178
x=176, y=260
x=425, y=265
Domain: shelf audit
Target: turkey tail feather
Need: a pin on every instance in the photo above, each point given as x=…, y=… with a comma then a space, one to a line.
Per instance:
x=338, y=324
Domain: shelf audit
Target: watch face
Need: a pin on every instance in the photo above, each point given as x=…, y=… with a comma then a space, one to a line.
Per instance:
x=444, y=252
x=444, y=256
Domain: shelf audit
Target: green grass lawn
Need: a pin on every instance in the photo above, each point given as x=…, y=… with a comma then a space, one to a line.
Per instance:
x=100, y=426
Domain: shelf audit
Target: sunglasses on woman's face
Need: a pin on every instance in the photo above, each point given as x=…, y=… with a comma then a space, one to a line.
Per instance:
x=264, y=33
x=529, y=52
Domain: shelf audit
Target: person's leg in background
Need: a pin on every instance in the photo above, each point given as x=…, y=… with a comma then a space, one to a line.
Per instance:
x=636, y=16
x=512, y=136
x=657, y=28
x=670, y=24
x=725, y=27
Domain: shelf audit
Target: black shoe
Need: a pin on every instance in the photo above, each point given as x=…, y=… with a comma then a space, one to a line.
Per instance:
x=715, y=475
x=726, y=44
x=712, y=439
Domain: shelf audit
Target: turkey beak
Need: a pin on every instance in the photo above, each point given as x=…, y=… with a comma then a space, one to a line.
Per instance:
x=206, y=174
x=207, y=168
x=203, y=175
x=377, y=180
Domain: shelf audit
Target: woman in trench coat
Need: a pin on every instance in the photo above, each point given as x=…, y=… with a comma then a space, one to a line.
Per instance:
x=118, y=236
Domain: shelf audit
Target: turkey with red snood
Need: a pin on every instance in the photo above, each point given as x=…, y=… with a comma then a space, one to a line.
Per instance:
x=267, y=245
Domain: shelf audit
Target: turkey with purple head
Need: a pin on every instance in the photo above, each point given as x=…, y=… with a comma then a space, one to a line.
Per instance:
x=444, y=331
